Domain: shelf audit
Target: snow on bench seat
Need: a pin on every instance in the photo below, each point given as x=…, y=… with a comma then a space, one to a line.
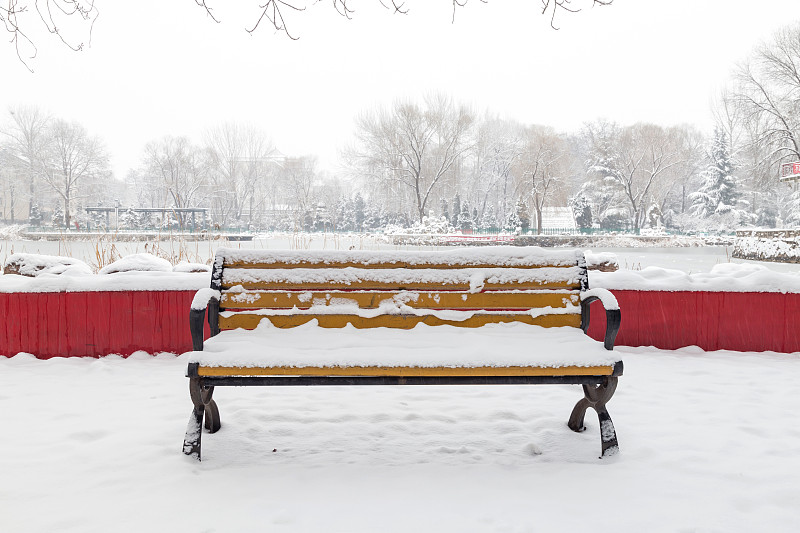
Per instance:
x=494, y=349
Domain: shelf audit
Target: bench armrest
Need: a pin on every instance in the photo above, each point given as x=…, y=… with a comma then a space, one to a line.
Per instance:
x=204, y=299
x=613, y=315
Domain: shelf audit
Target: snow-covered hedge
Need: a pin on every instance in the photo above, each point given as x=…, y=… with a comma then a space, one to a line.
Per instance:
x=138, y=263
x=786, y=249
x=32, y=265
x=428, y=226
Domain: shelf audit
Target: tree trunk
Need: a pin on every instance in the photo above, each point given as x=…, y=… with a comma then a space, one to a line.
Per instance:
x=538, y=220
x=12, y=198
x=66, y=211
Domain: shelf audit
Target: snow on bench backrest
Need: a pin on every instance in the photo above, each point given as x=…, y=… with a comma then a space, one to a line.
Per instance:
x=466, y=287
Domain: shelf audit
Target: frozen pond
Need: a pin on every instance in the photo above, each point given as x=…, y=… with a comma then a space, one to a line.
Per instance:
x=689, y=260
x=98, y=252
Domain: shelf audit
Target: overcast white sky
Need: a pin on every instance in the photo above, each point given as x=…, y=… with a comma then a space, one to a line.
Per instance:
x=155, y=69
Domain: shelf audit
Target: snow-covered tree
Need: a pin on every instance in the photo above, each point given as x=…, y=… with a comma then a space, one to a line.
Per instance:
x=35, y=216
x=465, y=218
x=445, y=211
x=359, y=212
x=489, y=218
x=58, y=216
x=581, y=211
x=718, y=194
x=639, y=161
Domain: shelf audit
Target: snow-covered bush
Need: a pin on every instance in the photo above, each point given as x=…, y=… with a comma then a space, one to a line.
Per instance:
x=191, y=267
x=431, y=225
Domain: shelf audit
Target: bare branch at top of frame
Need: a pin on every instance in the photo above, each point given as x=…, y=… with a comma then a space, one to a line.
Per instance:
x=556, y=5
x=202, y=3
x=272, y=11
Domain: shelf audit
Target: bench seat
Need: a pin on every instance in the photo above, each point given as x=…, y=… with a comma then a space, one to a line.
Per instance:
x=503, y=349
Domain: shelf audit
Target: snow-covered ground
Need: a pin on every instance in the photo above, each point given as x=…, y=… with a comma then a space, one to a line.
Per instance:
x=707, y=439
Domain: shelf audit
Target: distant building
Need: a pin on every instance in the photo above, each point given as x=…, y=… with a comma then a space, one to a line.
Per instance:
x=558, y=218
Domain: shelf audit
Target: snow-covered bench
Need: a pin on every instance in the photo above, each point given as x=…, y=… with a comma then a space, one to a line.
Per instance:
x=467, y=316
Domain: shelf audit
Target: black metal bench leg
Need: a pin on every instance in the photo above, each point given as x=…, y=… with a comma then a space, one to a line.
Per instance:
x=194, y=432
x=204, y=408
x=213, y=422
x=596, y=397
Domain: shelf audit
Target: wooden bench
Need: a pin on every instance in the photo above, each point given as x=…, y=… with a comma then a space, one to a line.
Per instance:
x=477, y=306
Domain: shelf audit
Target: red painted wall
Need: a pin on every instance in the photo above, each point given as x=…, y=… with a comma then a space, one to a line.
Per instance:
x=743, y=321
x=95, y=323
x=99, y=323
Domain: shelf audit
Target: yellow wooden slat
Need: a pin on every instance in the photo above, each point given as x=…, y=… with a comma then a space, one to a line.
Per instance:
x=398, y=264
x=250, y=321
x=424, y=300
x=383, y=286
x=406, y=371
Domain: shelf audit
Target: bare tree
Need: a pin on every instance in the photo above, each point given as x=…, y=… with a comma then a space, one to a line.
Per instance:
x=240, y=159
x=767, y=90
x=498, y=146
x=412, y=145
x=64, y=19
x=27, y=137
x=297, y=178
x=73, y=156
x=636, y=161
x=541, y=168
x=178, y=169
x=69, y=21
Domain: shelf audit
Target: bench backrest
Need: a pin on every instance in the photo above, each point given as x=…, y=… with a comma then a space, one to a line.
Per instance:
x=461, y=287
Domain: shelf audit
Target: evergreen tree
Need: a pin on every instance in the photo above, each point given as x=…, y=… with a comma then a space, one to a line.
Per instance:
x=581, y=211
x=445, y=211
x=129, y=219
x=345, y=214
x=456, y=211
x=489, y=219
x=523, y=215
x=464, y=218
x=512, y=222
x=98, y=220
x=718, y=195
x=654, y=216
x=58, y=216
x=372, y=217
x=35, y=216
x=359, y=212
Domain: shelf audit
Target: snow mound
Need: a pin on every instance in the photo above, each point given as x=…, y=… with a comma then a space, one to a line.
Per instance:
x=32, y=265
x=604, y=261
x=191, y=267
x=138, y=263
x=730, y=277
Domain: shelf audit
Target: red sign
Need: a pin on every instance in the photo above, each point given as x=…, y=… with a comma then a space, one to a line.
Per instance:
x=790, y=169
